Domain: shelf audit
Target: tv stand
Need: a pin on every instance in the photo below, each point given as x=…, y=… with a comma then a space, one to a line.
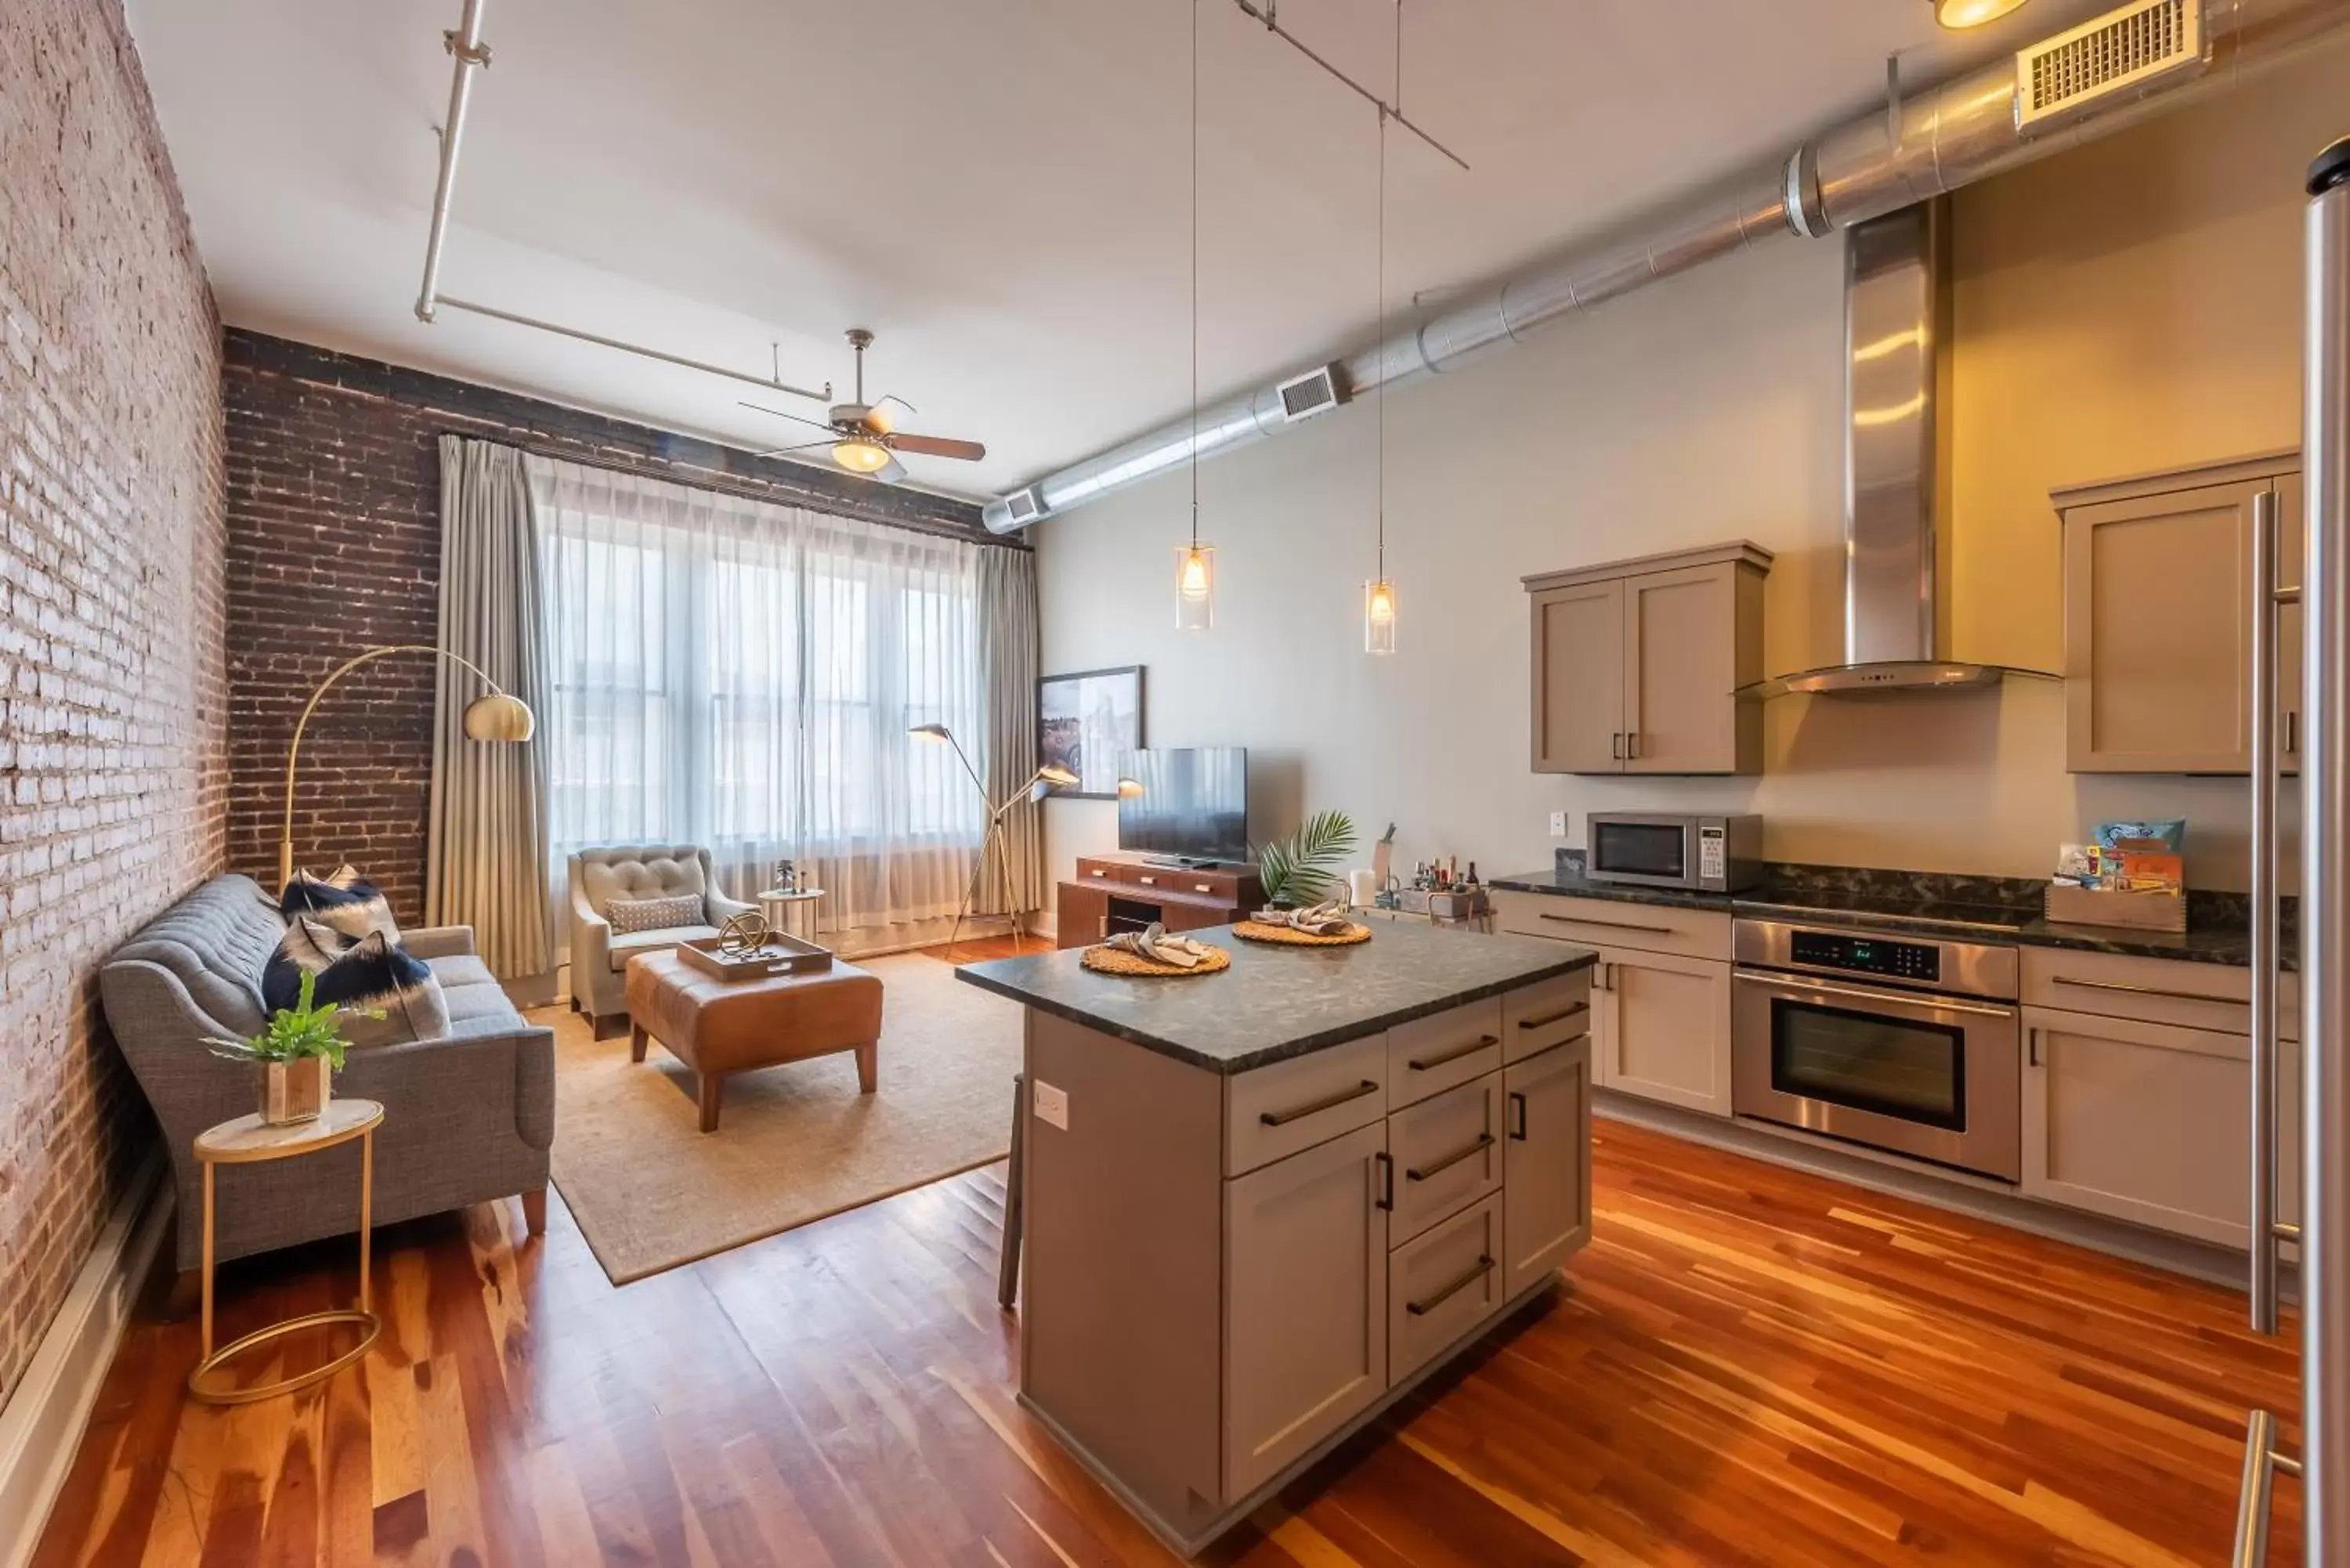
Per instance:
x=1146, y=887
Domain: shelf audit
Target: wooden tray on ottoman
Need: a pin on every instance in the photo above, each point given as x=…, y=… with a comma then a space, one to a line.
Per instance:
x=782, y=955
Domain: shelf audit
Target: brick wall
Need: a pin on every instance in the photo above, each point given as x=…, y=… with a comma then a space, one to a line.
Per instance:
x=113, y=756
x=334, y=503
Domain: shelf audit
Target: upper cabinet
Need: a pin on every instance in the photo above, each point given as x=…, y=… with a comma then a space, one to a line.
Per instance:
x=2159, y=619
x=1637, y=664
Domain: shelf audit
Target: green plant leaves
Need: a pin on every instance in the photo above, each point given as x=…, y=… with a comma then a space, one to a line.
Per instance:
x=1302, y=869
x=296, y=1033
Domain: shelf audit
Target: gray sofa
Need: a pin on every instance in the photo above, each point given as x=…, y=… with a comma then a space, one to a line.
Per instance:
x=600, y=959
x=467, y=1117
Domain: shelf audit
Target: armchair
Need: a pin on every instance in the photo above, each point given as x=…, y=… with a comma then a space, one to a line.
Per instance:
x=600, y=957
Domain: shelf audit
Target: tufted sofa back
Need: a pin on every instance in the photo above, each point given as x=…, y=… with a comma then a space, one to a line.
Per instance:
x=639, y=871
x=214, y=942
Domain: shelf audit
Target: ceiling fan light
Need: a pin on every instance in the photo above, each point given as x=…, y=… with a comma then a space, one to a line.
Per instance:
x=860, y=456
x=1962, y=14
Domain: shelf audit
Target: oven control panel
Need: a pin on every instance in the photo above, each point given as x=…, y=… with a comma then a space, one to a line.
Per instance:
x=1867, y=955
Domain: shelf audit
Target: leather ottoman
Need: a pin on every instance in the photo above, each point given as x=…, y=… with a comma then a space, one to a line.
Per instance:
x=720, y=1026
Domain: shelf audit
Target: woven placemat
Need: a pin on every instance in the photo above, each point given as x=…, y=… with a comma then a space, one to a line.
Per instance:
x=1290, y=936
x=1118, y=960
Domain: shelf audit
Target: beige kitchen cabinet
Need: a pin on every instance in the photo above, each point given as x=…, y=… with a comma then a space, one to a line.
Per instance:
x=1637, y=664
x=1661, y=1028
x=1306, y=1302
x=2149, y=1122
x=2159, y=617
x=1546, y=1212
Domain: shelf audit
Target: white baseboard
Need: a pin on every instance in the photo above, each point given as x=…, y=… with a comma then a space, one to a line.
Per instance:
x=41, y=1426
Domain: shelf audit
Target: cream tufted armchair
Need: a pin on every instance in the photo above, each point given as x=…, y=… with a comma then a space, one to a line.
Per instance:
x=600, y=959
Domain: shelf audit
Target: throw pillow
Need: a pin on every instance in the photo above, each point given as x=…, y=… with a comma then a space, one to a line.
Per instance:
x=350, y=906
x=368, y=973
x=627, y=915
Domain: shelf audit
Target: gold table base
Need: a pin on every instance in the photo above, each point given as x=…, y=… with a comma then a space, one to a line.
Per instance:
x=227, y=1353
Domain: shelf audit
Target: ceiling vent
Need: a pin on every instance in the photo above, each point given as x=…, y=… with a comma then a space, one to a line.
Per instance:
x=1315, y=392
x=1023, y=507
x=2121, y=53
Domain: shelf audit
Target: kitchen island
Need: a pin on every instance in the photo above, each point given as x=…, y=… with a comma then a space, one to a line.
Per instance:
x=1260, y=1205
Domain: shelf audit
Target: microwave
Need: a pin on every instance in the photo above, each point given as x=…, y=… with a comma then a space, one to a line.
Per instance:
x=1670, y=849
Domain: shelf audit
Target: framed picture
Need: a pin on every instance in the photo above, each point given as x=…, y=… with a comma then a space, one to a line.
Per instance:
x=1086, y=722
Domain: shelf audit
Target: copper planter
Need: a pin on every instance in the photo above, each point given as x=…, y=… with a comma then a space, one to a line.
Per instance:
x=294, y=1091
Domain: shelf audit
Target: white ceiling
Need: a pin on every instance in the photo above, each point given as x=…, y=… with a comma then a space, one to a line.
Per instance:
x=1000, y=188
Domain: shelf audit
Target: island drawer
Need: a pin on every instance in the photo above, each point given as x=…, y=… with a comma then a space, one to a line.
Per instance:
x=1273, y=1112
x=1650, y=928
x=1551, y=1012
x=1429, y=1055
x=1441, y=1286
x=1446, y=1152
x=2154, y=991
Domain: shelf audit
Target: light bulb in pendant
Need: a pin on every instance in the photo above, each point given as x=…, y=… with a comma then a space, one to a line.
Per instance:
x=1195, y=587
x=1379, y=617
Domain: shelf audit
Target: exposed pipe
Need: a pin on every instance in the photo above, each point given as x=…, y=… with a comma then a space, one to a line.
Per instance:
x=1941, y=137
x=472, y=54
x=767, y=383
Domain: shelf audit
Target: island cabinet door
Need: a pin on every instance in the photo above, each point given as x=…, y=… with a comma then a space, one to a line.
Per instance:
x=1305, y=1301
x=1547, y=1190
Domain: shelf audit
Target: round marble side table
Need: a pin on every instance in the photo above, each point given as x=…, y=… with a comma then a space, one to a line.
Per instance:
x=788, y=912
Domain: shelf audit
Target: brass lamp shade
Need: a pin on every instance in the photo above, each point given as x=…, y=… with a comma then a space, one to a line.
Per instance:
x=1056, y=774
x=1130, y=789
x=499, y=716
x=929, y=732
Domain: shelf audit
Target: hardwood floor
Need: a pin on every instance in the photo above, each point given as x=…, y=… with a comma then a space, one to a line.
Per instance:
x=1748, y=1365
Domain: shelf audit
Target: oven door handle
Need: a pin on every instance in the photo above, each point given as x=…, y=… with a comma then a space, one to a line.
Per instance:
x=1822, y=988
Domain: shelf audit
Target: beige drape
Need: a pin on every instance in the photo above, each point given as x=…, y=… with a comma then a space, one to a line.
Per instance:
x=486, y=839
x=1008, y=641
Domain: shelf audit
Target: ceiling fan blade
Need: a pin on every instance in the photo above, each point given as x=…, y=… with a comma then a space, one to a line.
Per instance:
x=780, y=451
x=939, y=446
x=812, y=424
x=894, y=474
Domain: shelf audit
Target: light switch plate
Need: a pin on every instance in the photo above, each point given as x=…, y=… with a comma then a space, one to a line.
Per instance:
x=1051, y=1105
x=1558, y=824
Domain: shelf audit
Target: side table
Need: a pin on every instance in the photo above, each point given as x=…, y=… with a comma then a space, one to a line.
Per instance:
x=248, y=1140
x=789, y=911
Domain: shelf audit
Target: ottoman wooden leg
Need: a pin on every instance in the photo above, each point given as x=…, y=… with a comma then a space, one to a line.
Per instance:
x=868, y=1066
x=713, y=1085
x=637, y=1038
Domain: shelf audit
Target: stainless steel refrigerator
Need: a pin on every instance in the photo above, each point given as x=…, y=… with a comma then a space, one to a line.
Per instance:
x=2322, y=1237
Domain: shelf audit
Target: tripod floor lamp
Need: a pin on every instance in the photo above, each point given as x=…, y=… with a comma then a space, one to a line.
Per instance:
x=495, y=715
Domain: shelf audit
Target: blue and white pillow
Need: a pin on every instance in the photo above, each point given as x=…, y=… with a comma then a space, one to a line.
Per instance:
x=368, y=974
x=345, y=902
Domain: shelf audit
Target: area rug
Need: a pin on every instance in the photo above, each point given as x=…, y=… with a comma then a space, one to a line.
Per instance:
x=795, y=1143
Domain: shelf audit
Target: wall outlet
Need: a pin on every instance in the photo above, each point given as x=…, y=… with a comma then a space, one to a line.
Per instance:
x=1558, y=824
x=1051, y=1105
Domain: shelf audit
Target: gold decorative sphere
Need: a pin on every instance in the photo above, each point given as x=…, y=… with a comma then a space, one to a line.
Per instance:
x=743, y=935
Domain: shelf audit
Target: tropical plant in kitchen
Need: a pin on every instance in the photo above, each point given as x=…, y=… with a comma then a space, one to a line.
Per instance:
x=297, y=1049
x=1302, y=869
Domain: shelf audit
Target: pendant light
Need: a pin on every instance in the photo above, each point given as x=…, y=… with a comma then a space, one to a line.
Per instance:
x=1195, y=564
x=1958, y=15
x=1379, y=593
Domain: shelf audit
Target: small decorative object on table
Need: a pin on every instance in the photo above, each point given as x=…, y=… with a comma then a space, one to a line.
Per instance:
x=1151, y=952
x=1323, y=926
x=298, y=1050
x=747, y=947
x=787, y=877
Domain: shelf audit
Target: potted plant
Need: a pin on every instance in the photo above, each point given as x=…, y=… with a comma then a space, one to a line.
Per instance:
x=1301, y=870
x=298, y=1050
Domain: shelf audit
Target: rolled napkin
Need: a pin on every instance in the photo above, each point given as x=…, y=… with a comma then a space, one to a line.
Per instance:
x=1324, y=920
x=1153, y=943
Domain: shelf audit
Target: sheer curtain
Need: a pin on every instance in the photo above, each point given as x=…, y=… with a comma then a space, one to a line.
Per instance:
x=742, y=675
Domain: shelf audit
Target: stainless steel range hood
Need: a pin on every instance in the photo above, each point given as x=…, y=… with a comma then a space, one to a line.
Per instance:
x=1896, y=617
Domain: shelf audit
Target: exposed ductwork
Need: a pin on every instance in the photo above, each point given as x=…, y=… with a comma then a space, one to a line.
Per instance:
x=1928, y=143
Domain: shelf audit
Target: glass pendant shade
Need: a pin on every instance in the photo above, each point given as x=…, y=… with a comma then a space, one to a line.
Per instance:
x=860, y=456
x=1379, y=617
x=1959, y=13
x=1195, y=587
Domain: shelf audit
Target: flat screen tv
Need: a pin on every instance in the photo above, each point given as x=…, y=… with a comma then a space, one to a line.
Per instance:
x=1193, y=805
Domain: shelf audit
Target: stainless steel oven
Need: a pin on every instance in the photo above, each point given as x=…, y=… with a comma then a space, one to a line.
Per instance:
x=1905, y=1044
x=1663, y=849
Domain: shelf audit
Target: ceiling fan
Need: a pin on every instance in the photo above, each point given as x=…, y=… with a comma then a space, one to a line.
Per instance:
x=864, y=437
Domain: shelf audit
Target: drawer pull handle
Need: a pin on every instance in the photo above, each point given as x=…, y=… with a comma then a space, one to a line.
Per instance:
x=2145, y=991
x=1576, y=1011
x=1147, y=882
x=1386, y=1163
x=1283, y=1119
x=1611, y=925
x=1484, y=1141
x=1517, y=1116
x=1422, y=1309
x=1201, y=887
x=1429, y=1064
x=1098, y=872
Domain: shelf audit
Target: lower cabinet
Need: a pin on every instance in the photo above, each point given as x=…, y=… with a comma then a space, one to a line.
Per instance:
x=1546, y=1112
x=1305, y=1301
x=1442, y=1285
x=1661, y=1028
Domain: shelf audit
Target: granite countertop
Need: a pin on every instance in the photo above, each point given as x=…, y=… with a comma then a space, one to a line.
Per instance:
x=1277, y=1002
x=1962, y=907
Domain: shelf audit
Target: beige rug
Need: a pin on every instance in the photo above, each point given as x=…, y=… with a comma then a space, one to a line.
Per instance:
x=794, y=1143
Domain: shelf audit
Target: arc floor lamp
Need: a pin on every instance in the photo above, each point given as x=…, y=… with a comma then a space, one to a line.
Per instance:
x=496, y=715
